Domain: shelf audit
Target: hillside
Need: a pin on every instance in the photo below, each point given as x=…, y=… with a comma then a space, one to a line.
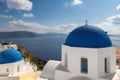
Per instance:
x=18, y=34
x=32, y=58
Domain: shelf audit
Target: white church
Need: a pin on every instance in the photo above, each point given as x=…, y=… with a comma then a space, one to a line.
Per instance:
x=13, y=66
x=87, y=54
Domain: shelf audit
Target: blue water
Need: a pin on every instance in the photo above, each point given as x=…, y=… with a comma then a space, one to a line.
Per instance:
x=45, y=47
x=48, y=47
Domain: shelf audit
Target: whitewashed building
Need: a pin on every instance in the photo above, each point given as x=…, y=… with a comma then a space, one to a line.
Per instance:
x=7, y=45
x=13, y=67
x=87, y=54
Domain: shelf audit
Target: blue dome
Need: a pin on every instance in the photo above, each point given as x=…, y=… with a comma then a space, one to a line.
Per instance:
x=89, y=37
x=10, y=55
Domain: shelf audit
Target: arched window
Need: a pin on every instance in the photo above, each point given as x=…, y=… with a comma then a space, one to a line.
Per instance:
x=84, y=65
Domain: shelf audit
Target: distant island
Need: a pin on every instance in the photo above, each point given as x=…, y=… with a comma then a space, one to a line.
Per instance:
x=18, y=34
x=23, y=34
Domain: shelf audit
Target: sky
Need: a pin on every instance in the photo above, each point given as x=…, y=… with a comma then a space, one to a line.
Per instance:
x=59, y=16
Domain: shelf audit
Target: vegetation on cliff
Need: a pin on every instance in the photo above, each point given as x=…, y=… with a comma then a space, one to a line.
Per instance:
x=28, y=56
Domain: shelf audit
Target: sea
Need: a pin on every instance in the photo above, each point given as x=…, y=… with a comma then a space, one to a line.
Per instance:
x=48, y=47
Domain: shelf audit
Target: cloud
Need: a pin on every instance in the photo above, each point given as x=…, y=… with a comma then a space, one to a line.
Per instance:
x=19, y=4
x=29, y=15
x=64, y=28
x=114, y=19
x=5, y=16
x=76, y=2
x=20, y=25
x=118, y=8
x=112, y=24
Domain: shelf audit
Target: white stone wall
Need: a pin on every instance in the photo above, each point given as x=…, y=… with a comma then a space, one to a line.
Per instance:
x=12, y=67
x=74, y=56
x=110, y=54
x=71, y=59
x=9, y=78
x=95, y=58
x=61, y=75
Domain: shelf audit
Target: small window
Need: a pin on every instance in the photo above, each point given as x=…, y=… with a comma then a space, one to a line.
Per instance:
x=105, y=62
x=84, y=65
x=66, y=60
x=18, y=68
x=7, y=70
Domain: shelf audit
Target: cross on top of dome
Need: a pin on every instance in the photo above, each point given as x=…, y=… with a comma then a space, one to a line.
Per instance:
x=86, y=22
